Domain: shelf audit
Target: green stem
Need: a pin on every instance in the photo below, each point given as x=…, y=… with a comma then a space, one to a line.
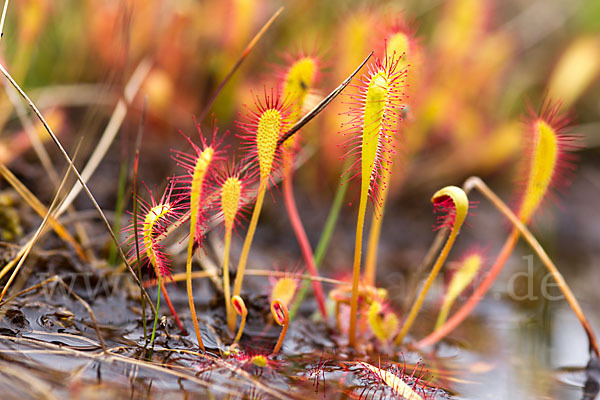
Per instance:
x=324, y=241
x=155, y=319
x=137, y=245
x=112, y=253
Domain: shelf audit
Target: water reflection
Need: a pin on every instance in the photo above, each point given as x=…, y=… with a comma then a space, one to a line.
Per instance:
x=592, y=385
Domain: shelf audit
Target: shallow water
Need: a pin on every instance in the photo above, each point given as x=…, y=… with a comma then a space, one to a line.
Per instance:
x=523, y=355
x=530, y=348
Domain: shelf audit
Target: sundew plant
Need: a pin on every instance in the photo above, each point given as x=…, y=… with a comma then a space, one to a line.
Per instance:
x=307, y=200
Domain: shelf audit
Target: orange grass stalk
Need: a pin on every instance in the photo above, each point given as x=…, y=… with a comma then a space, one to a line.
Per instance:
x=374, y=118
x=261, y=132
x=549, y=156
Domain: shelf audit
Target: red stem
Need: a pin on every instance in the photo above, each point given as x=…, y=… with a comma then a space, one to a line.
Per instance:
x=477, y=295
x=307, y=254
x=171, y=308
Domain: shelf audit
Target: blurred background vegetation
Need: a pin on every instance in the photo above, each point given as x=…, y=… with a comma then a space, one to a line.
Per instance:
x=478, y=65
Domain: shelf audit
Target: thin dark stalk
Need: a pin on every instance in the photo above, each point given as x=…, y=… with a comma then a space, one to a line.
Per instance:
x=137, y=245
x=138, y=143
x=238, y=63
x=155, y=320
x=3, y=18
x=321, y=106
x=112, y=254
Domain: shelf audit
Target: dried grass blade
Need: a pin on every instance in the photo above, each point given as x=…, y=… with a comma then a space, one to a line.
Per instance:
x=40, y=209
x=30, y=130
x=79, y=178
x=111, y=130
x=36, y=236
x=44, y=157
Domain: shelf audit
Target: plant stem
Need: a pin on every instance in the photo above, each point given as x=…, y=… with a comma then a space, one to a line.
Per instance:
x=520, y=228
x=279, y=343
x=374, y=233
x=330, y=224
x=415, y=277
x=143, y=301
x=323, y=244
x=443, y=315
x=226, y=284
x=188, y=280
x=480, y=291
x=136, y=238
x=172, y=309
x=432, y=275
x=362, y=208
x=307, y=254
x=239, y=277
x=155, y=316
x=112, y=254
x=240, y=331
